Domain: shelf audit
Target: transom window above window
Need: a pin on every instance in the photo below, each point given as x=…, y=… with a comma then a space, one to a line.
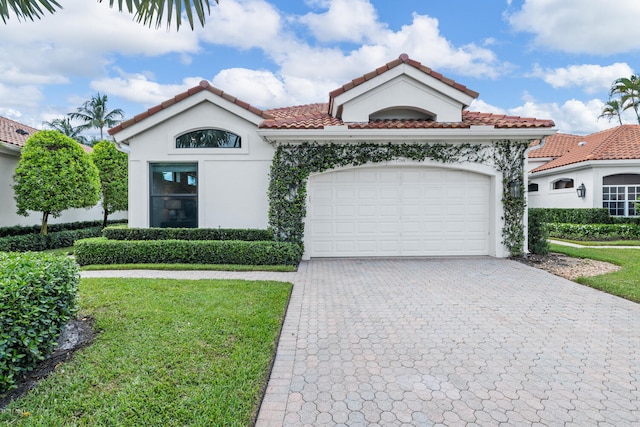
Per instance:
x=563, y=183
x=209, y=138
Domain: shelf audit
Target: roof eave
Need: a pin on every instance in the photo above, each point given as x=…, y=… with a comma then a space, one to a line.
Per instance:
x=7, y=148
x=585, y=165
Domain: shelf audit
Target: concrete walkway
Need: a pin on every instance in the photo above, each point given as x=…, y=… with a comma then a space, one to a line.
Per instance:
x=468, y=341
x=577, y=245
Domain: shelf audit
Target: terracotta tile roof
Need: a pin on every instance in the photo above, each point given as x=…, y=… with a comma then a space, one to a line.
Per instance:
x=14, y=133
x=316, y=116
x=619, y=143
x=555, y=145
x=203, y=85
x=403, y=59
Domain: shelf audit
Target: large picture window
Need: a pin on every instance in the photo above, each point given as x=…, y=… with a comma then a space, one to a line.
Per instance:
x=209, y=138
x=620, y=194
x=174, y=195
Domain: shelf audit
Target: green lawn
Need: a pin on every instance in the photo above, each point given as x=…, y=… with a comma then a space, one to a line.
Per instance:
x=624, y=282
x=170, y=353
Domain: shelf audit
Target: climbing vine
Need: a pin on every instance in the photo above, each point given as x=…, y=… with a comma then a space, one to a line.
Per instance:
x=293, y=163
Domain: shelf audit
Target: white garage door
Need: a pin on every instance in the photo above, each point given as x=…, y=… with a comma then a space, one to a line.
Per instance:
x=398, y=211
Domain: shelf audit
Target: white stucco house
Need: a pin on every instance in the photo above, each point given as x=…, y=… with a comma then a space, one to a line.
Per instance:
x=601, y=170
x=392, y=165
x=13, y=135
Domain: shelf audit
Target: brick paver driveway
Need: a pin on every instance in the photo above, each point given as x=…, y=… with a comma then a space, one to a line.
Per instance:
x=473, y=341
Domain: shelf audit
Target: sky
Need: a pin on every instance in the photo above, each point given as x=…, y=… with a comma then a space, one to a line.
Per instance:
x=548, y=59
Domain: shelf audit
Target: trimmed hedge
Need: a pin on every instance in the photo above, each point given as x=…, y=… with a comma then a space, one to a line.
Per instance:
x=103, y=251
x=19, y=230
x=538, y=233
x=594, y=231
x=573, y=216
x=118, y=233
x=38, y=295
x=38, y=242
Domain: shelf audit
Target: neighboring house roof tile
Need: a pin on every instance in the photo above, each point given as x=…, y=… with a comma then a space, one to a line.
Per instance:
x=403, y=59
x=619, y=143
x=14, y=133
x=315, y=116
x=203, y=85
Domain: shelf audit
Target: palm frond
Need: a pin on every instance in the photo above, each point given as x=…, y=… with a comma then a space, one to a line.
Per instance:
x=27, y=9
x=150, y=12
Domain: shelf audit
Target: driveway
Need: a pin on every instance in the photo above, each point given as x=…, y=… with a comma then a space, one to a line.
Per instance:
x=465, y=341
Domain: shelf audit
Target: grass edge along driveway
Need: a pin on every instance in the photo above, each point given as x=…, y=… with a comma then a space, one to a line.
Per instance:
x=169, y=353
x=624, y=283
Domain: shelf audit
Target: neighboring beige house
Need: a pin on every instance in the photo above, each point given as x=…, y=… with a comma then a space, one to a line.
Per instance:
x=601, y=170
x=203, y=159
x=13, y=135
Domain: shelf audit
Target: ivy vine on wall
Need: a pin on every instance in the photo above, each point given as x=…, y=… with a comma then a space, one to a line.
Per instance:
x=293, y=163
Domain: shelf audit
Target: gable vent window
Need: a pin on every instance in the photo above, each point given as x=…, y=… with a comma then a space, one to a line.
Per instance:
x=209, y=138
x=562, y=184
x=402, y=114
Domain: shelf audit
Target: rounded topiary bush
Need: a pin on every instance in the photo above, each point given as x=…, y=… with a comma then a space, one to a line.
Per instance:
x=38, y=295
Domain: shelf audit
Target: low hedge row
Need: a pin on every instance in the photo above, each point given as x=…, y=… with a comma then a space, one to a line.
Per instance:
x=118, y=233
x=573, y=216
x=594, y=231
x=38, y=295
x=19, y=230
x=38, y=242
x=103, y=251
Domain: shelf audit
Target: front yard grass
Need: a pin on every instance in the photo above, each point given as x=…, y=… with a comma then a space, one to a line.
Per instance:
x=624, y=283
x=169, y=353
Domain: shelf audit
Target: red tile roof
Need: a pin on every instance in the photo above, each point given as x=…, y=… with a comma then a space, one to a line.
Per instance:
x=203, y=85
x=315, y=116
x=619, y=143
x=555, y=145
x=14, y=133
x=402, y=59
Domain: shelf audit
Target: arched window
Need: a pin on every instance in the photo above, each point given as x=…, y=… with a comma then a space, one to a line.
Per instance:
x=532, y=188
x=620, y=194
x=563, y=183
x=209, y=138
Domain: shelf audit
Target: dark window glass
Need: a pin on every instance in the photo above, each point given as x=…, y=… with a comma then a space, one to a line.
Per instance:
x=208, y=138
x=532, y=187
x=563, y=183
x=174, y=195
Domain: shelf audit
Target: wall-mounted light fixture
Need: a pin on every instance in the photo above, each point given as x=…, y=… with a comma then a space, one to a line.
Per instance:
x=582, y=191
x=515, y=189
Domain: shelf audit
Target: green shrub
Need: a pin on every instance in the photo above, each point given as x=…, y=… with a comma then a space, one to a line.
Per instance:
x=594, y=231
x=103, y=251
x=38, y=295
x=39, y=242
x=573, y=216
x=538, y=233
x=117, y=233
x=19, y=230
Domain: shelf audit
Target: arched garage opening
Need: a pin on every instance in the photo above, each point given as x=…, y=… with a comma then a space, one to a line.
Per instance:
x=400, y=210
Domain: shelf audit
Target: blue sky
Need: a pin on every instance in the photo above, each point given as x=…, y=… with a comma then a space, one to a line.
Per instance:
x=549, y=59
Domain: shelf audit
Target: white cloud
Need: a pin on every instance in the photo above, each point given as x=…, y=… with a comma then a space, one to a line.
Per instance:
x=138, y=88
x=346, y=20
x=581, y=26
x=242, y=23
x=591, y=78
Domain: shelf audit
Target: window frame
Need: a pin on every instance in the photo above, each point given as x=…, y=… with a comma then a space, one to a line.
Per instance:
x=554, y=184
x=173, y=150
x=188, y=201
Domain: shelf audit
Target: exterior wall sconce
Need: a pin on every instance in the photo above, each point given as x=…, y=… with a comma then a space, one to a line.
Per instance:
x=582, y=191
x=515, y=189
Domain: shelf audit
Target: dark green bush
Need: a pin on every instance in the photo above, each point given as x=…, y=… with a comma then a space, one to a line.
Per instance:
x=19, y=230
x=594, y=231
x=38, y=242
x=573, y=216
x=118, y=233
x=103, y=251
x=538, y=233
x=38, y=295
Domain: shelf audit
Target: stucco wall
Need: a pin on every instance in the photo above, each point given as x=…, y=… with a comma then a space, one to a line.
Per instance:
x=232, y=183
x=8, y=216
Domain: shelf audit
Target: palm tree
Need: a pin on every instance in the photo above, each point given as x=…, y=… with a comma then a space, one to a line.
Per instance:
x=95, y=115
x=65, y=127
x=611, y=109
x=145, y=11
x=628, y=88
